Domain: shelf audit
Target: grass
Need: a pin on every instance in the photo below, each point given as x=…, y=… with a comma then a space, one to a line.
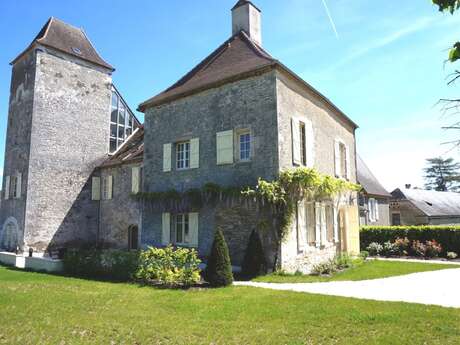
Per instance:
x=44, y=309
x=373, y=269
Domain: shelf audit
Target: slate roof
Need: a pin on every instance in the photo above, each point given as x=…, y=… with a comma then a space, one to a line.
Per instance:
x=131, y=151
x=368, y=181
x=68, y=39
x=237, y=58
x=430, y=202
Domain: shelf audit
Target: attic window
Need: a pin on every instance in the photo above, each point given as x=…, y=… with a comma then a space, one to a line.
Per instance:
x=76, y=50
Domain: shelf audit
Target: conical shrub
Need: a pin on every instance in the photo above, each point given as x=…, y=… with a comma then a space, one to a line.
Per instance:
x=219, y=270
x=254, y=263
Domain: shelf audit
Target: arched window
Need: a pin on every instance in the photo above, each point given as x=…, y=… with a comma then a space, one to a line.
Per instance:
x=133, y=237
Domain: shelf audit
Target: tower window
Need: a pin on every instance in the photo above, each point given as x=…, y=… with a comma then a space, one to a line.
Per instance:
x=122, y=122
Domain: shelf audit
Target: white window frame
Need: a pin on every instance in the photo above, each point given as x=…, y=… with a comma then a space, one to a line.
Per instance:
x=181, y=220
x=241, y=134
x=373, y=211
x=128, y=125
x=185, y=160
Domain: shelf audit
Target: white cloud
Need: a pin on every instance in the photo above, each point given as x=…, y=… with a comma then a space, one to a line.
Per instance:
x=418, y=25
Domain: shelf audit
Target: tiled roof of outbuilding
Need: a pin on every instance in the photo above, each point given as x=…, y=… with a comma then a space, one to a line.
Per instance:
x=431, y=202
x=131, y=151
x=68, y=39
x=368, y=181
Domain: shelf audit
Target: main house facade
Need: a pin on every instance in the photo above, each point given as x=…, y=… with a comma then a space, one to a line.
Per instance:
x=238, y=116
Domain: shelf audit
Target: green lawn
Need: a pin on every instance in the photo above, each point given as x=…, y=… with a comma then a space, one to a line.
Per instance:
x=43, y=309
x=372, y=269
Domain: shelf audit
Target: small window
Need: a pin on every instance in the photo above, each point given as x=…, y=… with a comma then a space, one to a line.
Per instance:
x=303, y=144
x=245, y=146
x=183, y=155
x=13, y=187
x=343, y=160
x=396, y=219
x=181, y=231
x=76, y=50
x=133, y=238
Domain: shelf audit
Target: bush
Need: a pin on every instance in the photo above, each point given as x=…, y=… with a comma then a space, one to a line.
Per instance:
x=364, y=254
x=324, y=268
x=403, y=246
x=419, y=248
x=101, y=264
x=374, y=248
x=254, y=263
x=447, y=236
x=452, y=255
x=343, y=261
x=219, y=269
x=169, y=267
x=389, y=249
x=433, y=249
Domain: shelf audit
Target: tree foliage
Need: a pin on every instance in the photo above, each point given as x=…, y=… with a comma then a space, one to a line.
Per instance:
x=254, y=263
x=442, y=174
x=219, y=269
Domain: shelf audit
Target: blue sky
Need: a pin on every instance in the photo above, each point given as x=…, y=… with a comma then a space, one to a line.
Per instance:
x=384, y=68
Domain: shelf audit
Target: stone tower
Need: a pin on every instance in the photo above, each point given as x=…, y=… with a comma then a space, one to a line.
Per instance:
x=58, y=132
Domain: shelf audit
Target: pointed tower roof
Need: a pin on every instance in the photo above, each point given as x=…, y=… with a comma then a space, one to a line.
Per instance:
x=68, y=39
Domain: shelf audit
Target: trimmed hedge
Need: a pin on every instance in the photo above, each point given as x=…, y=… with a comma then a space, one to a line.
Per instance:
x=447, y=236
x=115, y=265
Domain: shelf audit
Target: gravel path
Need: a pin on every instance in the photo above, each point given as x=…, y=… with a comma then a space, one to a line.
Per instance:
x=435, y=287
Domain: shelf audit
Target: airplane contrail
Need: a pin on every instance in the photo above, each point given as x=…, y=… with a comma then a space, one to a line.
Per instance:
x=330, y=19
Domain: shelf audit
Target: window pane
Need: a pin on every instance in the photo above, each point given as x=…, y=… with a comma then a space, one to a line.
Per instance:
x=245, y=146
x=128, y=132
x=179, y=224
x=114, y=99
x=122, y=114
x=121, y=132
x=113, y=145
x=186, y=229
x=114, y=115
x=113, y=131
x=130, y=121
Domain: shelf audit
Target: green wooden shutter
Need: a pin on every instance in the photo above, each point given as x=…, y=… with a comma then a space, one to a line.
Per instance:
x=7, y=187
x=224, y=147
x=135, y=180
x=195, y=153
x=96, y=188
x=193, y=227
x=167, y=151
x=166, y=229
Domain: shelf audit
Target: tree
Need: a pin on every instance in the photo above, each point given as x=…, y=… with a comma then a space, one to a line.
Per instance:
x=219, y=270
x=254, y=263
x=442, y=174
x=451, y=105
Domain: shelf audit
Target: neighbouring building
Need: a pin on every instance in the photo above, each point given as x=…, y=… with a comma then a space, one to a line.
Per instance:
x=77, y=157
x=374, y=200
x=410, y=206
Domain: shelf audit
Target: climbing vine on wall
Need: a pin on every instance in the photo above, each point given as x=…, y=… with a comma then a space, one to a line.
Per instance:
x=279, y=197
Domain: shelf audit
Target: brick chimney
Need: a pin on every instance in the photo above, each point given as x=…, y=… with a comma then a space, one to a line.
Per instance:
x=247, y=17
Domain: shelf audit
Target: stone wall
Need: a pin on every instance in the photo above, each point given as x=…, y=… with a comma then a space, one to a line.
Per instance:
x=246, y=104
x=69, y=139
x=123, y=211
x=17, y=147
x=410, y=215
x=295, y=100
